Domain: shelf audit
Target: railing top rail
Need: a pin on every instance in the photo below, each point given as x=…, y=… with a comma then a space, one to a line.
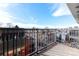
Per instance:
x=24, y=29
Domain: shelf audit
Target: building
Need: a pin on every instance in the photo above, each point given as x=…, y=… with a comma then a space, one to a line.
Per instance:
x=74, y=8
x=74, y=34
x=74, y=37
x=62, y=34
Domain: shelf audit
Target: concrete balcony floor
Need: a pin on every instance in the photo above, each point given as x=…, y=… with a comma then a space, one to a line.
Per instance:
x=61, y=50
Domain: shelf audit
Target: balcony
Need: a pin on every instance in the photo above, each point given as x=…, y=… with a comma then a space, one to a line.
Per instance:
x=24, y=42
x=33, y=42
x=61, y=50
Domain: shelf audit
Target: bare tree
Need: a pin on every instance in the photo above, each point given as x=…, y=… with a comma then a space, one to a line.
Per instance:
x=9, y=25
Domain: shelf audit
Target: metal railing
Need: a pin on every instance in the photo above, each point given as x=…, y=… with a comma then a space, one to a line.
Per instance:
x=22, y=42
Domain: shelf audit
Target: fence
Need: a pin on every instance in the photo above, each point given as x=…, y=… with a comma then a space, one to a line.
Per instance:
x=22, y=42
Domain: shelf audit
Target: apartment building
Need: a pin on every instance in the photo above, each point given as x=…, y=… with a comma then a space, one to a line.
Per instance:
x=74, y=37
x=62, y=35
x=74, y=34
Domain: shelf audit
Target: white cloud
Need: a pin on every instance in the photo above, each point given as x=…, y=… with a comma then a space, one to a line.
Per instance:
x=4, y=5
x=5, y=17
x=62, y=10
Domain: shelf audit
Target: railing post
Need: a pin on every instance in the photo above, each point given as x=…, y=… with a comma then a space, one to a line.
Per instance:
x=25, y=39
x=16, y=42
x=8, y=37
x=3, y=38
x=13, y=41
x=37, y=44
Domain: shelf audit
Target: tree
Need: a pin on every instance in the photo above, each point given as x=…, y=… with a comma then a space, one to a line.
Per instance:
x=16, y=26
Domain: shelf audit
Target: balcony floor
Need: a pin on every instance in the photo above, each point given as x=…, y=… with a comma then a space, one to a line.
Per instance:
x=61, y=50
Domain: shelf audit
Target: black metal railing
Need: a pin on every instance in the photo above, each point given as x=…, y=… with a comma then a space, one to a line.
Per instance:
x=22, y=42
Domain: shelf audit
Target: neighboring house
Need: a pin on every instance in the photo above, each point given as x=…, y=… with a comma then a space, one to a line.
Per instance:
x=61, y=35
x=74, y=37
x=74, y=34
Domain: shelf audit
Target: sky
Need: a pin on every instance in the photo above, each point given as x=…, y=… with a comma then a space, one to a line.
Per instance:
x=38, y=15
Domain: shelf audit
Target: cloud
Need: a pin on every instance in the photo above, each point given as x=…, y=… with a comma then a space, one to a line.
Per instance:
x=4, y=5
x=61, y=11
x=6, y=17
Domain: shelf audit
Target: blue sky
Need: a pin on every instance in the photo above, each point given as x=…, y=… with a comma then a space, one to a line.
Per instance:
x=41, y=15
